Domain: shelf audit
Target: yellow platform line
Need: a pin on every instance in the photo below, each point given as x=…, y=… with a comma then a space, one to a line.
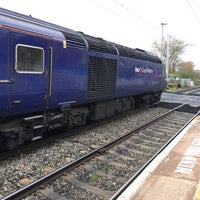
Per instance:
x=197, y=194
x=197, y=118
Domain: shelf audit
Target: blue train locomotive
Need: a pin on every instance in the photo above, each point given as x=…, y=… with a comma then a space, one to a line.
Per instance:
x=51, y=76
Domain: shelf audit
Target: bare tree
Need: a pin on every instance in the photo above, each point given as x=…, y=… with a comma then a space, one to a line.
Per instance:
x=176, y=49
x=187, y=67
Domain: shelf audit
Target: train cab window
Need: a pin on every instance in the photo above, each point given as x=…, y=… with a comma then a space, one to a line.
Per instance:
x=29, y=59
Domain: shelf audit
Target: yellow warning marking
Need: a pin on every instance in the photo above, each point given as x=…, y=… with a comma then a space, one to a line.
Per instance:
x=197, y=195
x=197, y=118
x=64, y=44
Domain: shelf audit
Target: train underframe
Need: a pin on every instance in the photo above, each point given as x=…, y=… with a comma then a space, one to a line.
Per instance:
x=14, y=132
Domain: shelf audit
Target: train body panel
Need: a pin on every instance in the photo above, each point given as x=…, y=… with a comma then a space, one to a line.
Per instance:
x=133, y=76
x=69, y=76
x=138, y=77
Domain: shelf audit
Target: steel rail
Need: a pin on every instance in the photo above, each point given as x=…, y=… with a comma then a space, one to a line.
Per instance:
x=188, y=91
x=134, y=177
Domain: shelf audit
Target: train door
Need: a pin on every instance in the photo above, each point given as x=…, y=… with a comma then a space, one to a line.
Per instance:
x=29, y=61
x=4, y=72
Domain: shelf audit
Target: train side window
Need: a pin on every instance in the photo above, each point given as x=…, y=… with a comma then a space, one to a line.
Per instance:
x=29, y=59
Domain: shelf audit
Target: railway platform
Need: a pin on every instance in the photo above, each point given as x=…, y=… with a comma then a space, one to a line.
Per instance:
x=174, y=173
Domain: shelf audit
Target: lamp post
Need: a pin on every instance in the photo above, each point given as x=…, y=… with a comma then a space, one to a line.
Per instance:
x=167, y=56
x=161, y=50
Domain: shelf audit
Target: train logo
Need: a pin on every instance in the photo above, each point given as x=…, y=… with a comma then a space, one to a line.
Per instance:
x=143, y=70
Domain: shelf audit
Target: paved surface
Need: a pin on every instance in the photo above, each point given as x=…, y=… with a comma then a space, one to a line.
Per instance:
x=174, y=174
x=177, y=98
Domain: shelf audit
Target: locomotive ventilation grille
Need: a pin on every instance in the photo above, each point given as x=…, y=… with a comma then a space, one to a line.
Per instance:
x=101, y=76
x=100, y=45
x=74, y=41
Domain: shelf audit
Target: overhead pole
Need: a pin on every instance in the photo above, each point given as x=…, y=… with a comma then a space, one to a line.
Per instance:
x=167, y=56
x=162, y=40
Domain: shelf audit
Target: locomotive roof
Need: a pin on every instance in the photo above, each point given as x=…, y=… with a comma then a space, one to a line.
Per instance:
x=29, y=23
x=77, y=39
x=101, y=45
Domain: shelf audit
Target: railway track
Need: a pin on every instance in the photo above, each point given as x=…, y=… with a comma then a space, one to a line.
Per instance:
x=195, y=91
x=101, y=173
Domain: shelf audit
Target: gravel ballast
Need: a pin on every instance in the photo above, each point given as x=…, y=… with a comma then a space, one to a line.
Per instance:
x=28, y=167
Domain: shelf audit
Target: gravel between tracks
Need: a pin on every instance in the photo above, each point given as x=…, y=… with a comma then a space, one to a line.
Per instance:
x=22, y=170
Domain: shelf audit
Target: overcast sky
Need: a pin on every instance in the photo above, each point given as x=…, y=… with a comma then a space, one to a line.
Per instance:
x=134, y=23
